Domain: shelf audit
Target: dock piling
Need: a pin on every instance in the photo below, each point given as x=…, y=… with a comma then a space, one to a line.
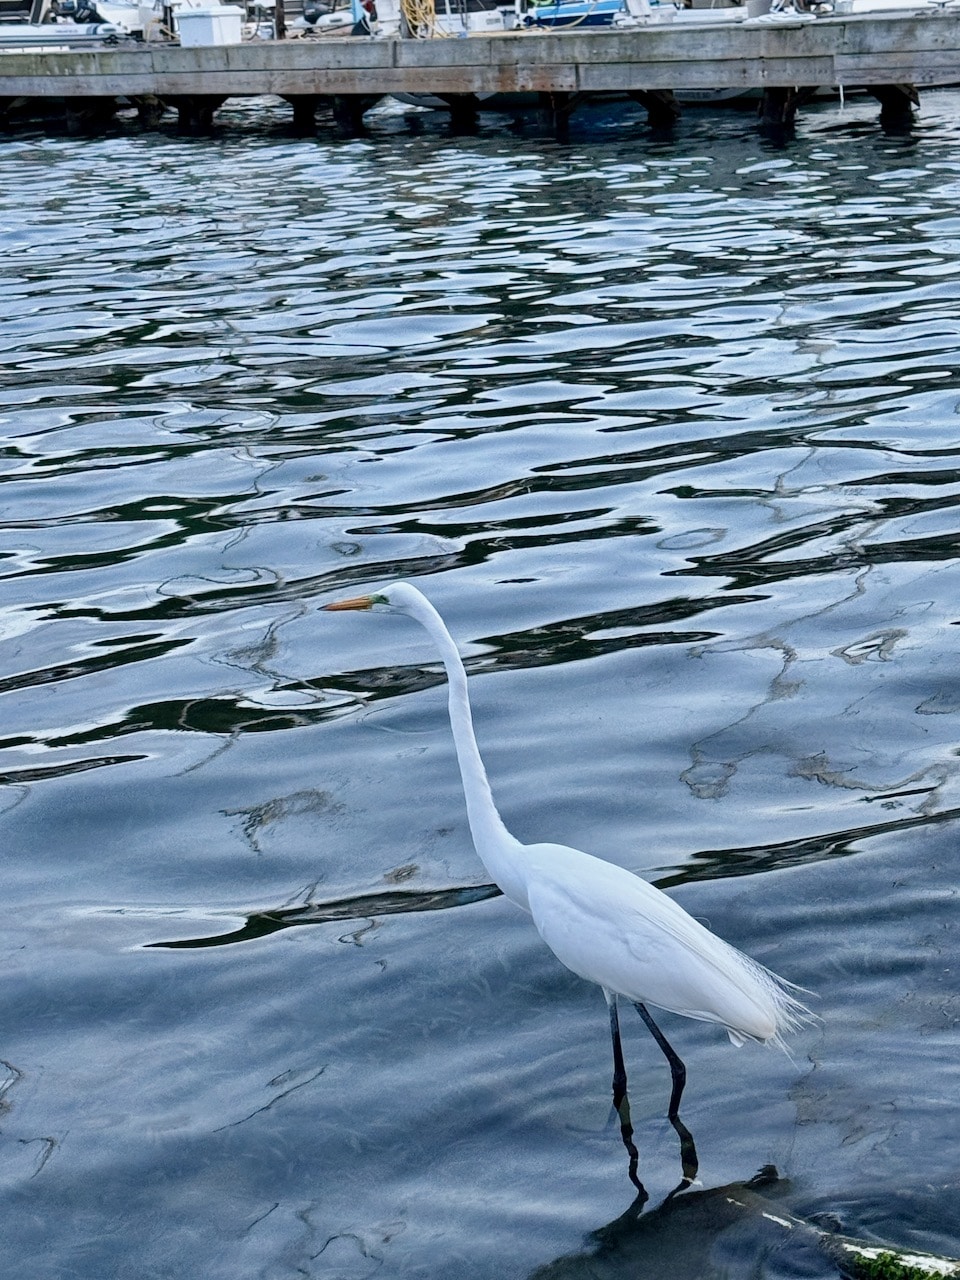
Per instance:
x=897, y=102
x=464, y=111
x=304, y=111
x=88, y=115
x=195, y=112
x=662, y=108
x=349, y=110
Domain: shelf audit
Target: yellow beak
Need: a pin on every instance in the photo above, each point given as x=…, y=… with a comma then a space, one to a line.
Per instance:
x=357, y=602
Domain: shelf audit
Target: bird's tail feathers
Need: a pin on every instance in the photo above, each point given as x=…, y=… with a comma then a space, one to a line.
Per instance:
x=791, y=1013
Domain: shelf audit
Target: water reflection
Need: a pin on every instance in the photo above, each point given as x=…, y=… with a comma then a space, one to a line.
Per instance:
x=703, y=865
x=259, y=924
x=689, y=1159
x=686, y=1236
x=744, y=1226
x=669, y=431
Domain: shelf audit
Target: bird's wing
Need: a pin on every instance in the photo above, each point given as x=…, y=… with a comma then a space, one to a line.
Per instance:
x=599, y=926
x=613, y=928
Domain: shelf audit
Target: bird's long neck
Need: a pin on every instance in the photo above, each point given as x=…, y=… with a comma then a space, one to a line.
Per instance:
x=497, y=849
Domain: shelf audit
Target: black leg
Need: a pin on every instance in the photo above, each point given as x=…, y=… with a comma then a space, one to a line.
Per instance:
x=677, y=1070
x=633, y=1155
x=621, y=1103
x=689, y=1160
x=619, y=1070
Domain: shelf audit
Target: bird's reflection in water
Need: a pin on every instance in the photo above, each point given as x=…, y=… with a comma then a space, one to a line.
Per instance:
x=742, y=1229
x=689, y=1237
x=689, y=1161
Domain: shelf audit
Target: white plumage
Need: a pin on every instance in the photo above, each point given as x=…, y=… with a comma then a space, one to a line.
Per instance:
x=601, y=921
x=613, y=928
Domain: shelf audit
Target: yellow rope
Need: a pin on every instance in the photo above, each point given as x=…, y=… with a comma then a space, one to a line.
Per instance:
x=421, y=18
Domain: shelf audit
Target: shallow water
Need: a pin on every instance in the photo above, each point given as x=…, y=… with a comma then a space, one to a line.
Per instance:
x=668, y=432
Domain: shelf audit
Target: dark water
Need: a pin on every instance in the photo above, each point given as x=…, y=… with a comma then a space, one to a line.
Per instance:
x=669, y=433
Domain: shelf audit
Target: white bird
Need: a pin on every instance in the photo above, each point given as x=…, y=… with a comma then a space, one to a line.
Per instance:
x=600, y=920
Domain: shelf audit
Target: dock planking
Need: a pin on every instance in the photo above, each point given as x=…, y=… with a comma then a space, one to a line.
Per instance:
x=919, y=48
x=892, y=49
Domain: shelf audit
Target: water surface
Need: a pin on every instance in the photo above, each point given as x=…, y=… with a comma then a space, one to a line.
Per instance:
x=667, y=430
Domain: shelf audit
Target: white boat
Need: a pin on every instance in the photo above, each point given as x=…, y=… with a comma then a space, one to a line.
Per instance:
x=70, y=24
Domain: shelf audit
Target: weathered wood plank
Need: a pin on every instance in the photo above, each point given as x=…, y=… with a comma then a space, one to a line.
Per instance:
x=860, y=50
x=698, y=73
x=917, y=31
x=545, y=79
x=276, y=55
x=667, y=43
x=939, y=67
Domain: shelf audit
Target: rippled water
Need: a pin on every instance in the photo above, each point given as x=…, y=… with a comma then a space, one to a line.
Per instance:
x=668, y=431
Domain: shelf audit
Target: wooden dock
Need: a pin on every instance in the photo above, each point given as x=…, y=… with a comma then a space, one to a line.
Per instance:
x=886, y=54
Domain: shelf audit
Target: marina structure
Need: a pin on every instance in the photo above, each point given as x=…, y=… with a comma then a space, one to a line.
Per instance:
x=784, y=56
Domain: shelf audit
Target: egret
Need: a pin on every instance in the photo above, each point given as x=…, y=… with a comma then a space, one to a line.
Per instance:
x=600, y=920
